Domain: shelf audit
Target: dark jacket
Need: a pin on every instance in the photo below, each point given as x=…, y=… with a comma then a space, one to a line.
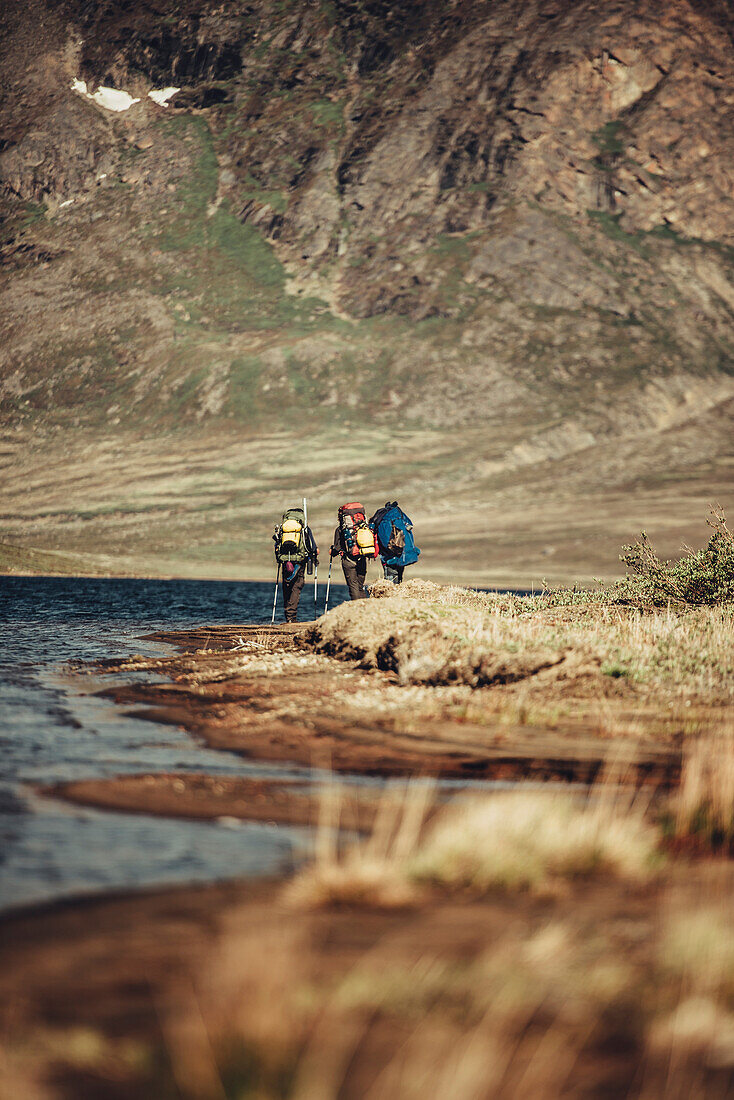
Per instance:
x=338, y=545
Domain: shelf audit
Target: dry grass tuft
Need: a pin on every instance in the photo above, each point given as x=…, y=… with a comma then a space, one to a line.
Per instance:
x=432, y=641
x=524, y=840
x=452, y=595
x=519, y=840
x=415, y=588
x=697, y=948
x=372, y=873
x=355, y=880
x=703, y=806
x=693, y=1027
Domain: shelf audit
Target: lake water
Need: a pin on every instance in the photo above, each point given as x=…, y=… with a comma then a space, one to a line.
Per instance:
x=50, y=731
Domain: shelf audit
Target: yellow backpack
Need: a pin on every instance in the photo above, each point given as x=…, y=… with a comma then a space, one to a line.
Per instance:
x=365, y=540
x=290, y=537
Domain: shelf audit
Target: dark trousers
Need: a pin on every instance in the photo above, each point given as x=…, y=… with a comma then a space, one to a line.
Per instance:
x=355, y=571
x=393, y=573
x=292, y=593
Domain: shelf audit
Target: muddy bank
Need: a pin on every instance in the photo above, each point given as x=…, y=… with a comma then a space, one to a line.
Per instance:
x=261, y=693
x=215, y=798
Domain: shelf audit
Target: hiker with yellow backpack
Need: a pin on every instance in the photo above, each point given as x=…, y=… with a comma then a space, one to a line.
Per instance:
x=355, y=544
x=296, y=553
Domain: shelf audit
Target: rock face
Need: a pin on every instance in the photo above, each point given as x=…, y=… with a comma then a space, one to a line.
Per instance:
x=434, y=214
x=358, y=132
x=362, y=138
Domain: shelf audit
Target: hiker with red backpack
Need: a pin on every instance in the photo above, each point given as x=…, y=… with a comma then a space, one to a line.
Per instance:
x=355, y=544
x=393, y=531
x=296, y=553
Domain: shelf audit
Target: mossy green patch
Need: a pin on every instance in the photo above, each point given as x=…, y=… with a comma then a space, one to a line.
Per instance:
x=328, y=113
x=274, y=198
x=608, y=138
x=245, y=400
x=33, y=212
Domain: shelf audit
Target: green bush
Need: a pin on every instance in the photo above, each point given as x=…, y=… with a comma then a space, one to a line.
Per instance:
x=700, y=577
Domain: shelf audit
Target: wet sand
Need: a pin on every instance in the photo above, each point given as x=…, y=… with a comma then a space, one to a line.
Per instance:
x=215, y=798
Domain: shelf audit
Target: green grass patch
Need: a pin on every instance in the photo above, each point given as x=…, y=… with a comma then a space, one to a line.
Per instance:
x=608, y=138
x=326, y=112
x=274, y=198
x=34, y=212
x=245, y=401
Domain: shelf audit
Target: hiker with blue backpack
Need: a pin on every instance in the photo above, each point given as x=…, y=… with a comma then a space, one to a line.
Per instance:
x=355, y=544
x=296, y=553
x=393, y=531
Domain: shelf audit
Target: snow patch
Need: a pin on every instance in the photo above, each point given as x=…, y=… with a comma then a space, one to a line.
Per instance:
x=66, y=202
x=161, y=96
x=112, y=99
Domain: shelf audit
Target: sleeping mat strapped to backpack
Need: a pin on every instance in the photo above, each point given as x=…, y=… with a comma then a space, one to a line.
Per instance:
x=394, y=531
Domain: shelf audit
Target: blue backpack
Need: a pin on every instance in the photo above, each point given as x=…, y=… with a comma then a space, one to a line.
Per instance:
x=394, y=532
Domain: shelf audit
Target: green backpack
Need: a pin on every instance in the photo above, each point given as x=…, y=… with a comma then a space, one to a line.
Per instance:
x=291, y=538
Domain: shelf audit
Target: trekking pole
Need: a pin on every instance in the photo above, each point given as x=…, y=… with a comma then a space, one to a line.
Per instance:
x=316, y=564
x=275, y=593
x=328, y=586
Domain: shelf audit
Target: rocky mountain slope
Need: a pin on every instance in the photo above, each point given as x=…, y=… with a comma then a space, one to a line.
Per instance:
x=478, y=254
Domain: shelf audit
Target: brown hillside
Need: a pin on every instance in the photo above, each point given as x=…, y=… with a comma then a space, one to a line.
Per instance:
x=480, y=255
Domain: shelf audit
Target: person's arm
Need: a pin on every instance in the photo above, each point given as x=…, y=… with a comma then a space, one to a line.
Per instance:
x=335, y=548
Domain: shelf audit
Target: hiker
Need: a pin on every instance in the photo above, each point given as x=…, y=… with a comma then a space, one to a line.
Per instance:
x=296, y=553
x=394, y=536
x=355, y=543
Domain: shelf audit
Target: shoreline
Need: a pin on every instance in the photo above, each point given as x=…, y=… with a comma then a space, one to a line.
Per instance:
x=250, y=987
x=253, y=690
x=517, y=588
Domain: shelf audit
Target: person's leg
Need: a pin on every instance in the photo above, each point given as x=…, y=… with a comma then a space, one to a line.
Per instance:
x=351, y=576
x=399, y=569
x=361, y=577
x=292, y=589
x=391, y=573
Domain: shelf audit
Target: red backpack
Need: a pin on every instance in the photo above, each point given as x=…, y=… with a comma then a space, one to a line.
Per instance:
x=359, y=540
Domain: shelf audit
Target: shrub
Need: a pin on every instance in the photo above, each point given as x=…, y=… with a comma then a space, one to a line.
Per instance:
x=700, y=577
